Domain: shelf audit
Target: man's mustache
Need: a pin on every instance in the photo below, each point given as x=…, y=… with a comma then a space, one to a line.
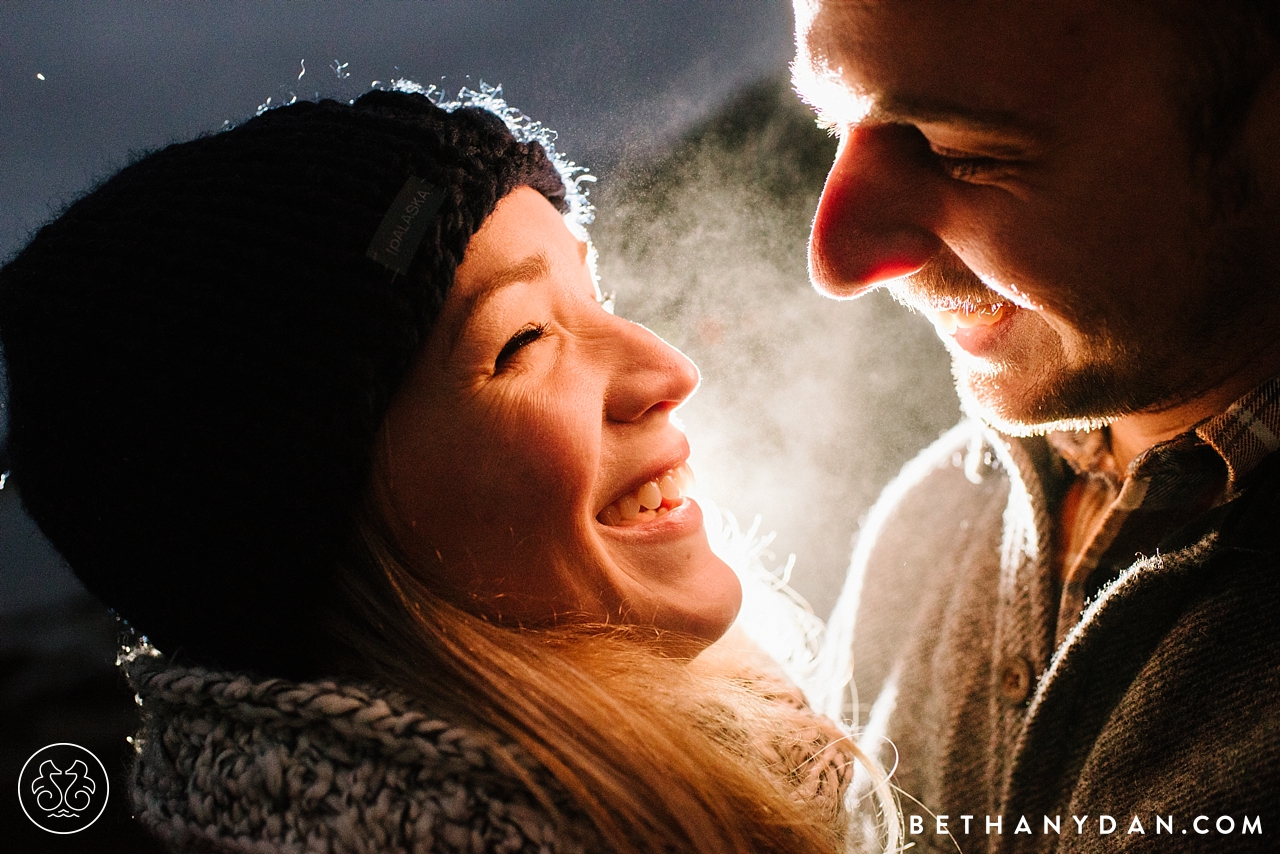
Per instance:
x=944, y=284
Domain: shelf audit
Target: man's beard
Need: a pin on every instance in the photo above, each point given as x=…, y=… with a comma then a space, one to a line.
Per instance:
x=1126, y=368
x=1063, y=399
x=1081, y=398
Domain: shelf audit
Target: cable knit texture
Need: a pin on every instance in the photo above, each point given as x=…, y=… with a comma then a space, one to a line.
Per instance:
x=229, y=763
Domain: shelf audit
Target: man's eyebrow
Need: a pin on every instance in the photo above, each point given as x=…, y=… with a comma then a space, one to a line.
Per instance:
x=529, y=269
x=904, y=109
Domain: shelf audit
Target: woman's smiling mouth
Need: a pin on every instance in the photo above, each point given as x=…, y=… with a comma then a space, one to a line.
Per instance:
x=651, y=500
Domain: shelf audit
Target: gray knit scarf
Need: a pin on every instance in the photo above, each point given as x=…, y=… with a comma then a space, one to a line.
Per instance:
x=227, y=762
x=230, y=763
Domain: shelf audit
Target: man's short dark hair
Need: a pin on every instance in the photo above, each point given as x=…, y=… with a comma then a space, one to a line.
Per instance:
x=1231, y=46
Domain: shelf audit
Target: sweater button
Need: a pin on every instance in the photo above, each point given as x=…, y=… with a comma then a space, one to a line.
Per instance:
x=1015, y=680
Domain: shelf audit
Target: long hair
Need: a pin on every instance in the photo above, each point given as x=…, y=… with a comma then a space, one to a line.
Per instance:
x=661, y=754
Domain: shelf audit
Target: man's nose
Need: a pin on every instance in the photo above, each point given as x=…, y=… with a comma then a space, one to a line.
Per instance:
x=649, y=375
x=876, y=216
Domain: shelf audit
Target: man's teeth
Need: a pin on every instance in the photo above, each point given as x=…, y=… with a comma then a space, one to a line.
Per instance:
x=653, y=499
x=964, y=318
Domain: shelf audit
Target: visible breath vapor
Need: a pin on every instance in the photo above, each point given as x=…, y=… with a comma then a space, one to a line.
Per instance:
x=807, y=406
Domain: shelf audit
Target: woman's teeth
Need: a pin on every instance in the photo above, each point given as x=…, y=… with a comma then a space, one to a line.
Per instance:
x=653, y=499
x=967, y=318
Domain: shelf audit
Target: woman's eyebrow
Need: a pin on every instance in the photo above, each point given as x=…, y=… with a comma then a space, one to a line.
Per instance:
x=535, y=266
x=528, y=269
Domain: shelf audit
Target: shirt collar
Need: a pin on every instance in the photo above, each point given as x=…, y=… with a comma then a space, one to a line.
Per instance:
x=1241, y=437
x=1247, y=432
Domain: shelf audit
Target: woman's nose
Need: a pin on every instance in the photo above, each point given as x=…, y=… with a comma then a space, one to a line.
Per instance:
x=875, y=216
x=648, y=375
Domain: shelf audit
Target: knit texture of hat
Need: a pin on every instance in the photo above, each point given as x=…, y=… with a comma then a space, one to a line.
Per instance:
x=200, y=354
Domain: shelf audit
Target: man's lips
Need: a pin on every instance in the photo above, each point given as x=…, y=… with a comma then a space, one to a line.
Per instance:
x=949, y=320
x=976, y=329
x=962, y=307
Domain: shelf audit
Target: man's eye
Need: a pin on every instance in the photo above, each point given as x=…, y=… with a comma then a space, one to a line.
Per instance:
x=527, y=335
x=964, y=167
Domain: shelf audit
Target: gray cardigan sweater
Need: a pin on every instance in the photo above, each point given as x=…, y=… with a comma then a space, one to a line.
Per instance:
x=1154, y=726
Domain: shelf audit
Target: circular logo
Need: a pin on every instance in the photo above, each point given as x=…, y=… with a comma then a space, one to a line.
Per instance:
x=63, y=788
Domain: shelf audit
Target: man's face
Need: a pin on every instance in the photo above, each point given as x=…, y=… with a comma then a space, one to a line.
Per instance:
x=1021, y=174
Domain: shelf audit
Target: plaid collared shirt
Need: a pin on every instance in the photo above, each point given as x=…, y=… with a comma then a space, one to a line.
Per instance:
x=1109, y=518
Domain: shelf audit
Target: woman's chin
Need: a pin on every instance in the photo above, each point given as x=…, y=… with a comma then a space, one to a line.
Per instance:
x=717, y=614
x=703, y=605
x=687, y=588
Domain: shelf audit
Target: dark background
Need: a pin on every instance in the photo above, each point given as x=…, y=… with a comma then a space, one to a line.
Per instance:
x=709, y=171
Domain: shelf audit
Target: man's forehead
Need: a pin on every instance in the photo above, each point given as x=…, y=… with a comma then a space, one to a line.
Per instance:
x=839, y=106
x=976, y=62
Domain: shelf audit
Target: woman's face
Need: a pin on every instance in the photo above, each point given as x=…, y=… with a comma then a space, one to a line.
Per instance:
x=532, y=433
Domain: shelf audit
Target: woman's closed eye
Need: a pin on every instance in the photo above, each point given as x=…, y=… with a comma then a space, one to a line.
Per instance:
x=527, y=335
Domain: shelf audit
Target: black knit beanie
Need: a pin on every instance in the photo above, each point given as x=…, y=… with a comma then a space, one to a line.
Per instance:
x=200, y=352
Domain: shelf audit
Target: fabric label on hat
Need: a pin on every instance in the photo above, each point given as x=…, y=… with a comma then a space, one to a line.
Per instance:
x=396, y=240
